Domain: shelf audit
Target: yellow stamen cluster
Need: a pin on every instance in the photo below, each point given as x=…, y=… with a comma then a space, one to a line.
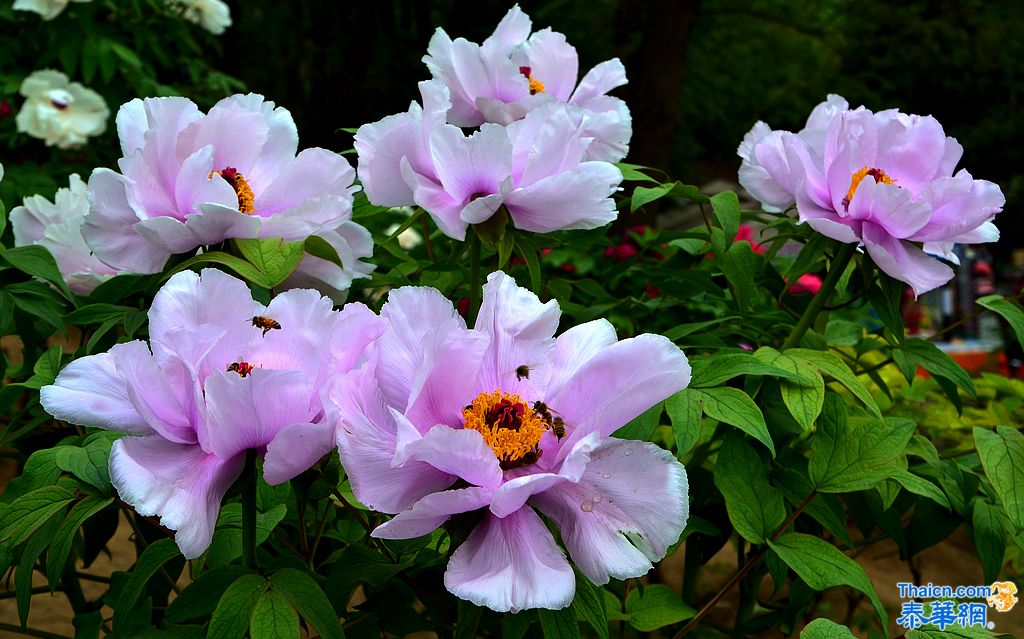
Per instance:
x=246, y=198
x=510, y=427
x=536, y=86
x=878, y=174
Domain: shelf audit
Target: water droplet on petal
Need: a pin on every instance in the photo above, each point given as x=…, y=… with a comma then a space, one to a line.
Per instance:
x=587, y=506
x=628, y=451
x=596, y=499
x=606, y=475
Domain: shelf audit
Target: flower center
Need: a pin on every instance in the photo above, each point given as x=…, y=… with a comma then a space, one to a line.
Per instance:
x=536, y=86
x=510, y=427
x=242, y=368
x=246, y=198
x=879, y=176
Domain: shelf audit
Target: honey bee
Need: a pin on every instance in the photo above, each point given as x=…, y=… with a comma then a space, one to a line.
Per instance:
x=542, y=409
x=265, y=323
x=242, y=368
x=530, y=457
x=522, y=371
x=558, y=427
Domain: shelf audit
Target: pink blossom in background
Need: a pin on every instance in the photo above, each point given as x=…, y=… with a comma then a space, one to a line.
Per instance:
x=189, y=179
x=884, y=181
x=57, y=226
x=772, y=160
x=514, y=72
x=445, y=420
x=209, y=386
x=806, y=283
x=535, y=168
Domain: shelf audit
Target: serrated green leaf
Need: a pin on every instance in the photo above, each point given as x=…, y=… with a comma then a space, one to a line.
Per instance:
x=756, y=508
x=821, y=565
x=854, y=454
x=150, y=561
x=1002, y=457
x=273, y=618
x=825, y=629
x=656, y=608
x=835, y=368
x=231, y=617
x=684, y=410
x=734, y=407
x=306, y=596
x=275, y=258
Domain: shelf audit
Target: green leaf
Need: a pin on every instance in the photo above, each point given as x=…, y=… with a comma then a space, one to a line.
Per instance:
x=45, y=369
x=467, y=620
x=1011, y=311
x=803, y=397
x=60, y=548
x=886, y=299
x=718, y=369
x=226, y=545
x=953, y=632
x=989, y=538
x=733, y=406
x=656, y=608
x=150, y=561
x=630, y=173
x=921, y=486
x=248, y=271
x=726, y=207
x=321, y=248
x=306, y=596
x=822, y=566
x=646, y=194
x=684, y=410
x=932, y=359
x=30, y=511
x=825, y=629
x=1002, y=457
x=843, y=332
x=590, y=606
x=835, y=368
x=642, y=427
x=275, y=258
x=756, y=508
x=200, y=597
x=559, y=624
x=231, y=617
x=273, y=618
x=849, y=455
x=89, y=463
x=37, y=261
x=97, y=314
x=34, y=547
x=738, y=264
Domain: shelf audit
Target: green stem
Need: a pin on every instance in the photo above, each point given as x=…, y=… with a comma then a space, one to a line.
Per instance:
x=835, y=271
x=474, y=278
x=249, y=510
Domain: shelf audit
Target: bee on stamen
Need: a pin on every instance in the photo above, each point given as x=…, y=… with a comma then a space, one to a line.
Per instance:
x=522, y=371
x=242, y=368
x=265, y=323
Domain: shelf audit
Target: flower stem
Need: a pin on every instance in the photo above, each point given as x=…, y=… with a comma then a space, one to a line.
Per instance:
x=249, y=510
x=835, y=271
x=474, y=278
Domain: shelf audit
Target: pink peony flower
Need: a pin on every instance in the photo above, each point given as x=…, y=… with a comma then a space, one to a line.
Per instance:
x=189, y=179
x=771, y=168
x=886, y=182
x=514, y=72
x=508, y=422
x=222, y=374
x=57, y=225
x=534, y=167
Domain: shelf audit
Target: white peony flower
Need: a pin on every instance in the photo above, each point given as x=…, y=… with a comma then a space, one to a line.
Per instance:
x=57, y=225
x=49, y=9
x=408, y=239
x=62, y=113
x=212, y=15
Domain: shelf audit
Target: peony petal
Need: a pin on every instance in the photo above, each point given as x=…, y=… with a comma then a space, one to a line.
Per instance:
x=296, y=448
x=617, y=385
x=236, y=134
x=630, y=506
x=600, y=80
x=578, y=199
x=891, y=207
x=458, y=452
x=282, y=136
x=91, y=392
x=472, y=166
x=511, y=564
x=366, y=442
x=578, y=345
x=904, y=261
x=109, y=227
x=165, y=402
x=249, y=412
x=429, y=513
x=314, y=173
x=513, y=29
x=552, y=61
x=512, y=495
x=521, y=331
x=180, y=483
